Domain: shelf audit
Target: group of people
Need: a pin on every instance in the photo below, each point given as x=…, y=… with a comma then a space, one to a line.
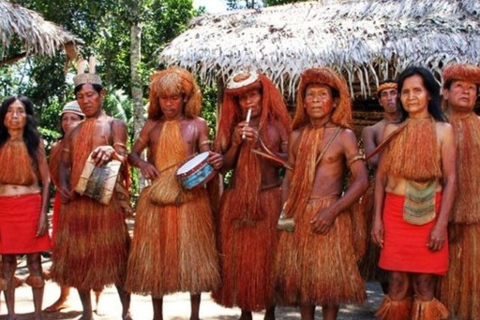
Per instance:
x=264, y=240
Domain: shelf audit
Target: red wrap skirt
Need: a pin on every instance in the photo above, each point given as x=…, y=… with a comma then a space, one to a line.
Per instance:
x=405, y=245
x=18, y=225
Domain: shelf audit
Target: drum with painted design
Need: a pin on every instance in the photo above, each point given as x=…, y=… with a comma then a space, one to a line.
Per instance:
x=196, y=171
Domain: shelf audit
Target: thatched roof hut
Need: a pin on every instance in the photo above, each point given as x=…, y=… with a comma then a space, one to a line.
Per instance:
x=366, y=40
x=37, y=35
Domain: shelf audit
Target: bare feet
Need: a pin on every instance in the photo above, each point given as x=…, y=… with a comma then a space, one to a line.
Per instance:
x=12, y=317
x=57, y=306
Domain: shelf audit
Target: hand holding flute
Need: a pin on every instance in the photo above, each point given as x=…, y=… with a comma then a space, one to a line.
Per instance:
x=247, y=120
x=245, y=132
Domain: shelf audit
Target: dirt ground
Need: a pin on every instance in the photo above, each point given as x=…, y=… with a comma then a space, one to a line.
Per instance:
x=176, y=307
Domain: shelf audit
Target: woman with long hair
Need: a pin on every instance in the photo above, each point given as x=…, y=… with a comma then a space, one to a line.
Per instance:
x=24, y=184
x=414, y=195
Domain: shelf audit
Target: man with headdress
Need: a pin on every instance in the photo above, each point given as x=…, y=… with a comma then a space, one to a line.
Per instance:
x=91, y=242
x=460, y=289
x=173, y=247
x=249, y=208
x=371, y=137
x=316, y=264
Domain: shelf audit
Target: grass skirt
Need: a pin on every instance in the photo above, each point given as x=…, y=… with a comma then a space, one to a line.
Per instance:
x=460, y=288
x=91, y=245
x=247, y=251
x=173, y=248
x=318, y=269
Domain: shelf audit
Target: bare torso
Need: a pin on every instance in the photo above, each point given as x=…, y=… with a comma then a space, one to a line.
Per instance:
x=330, y=172
x=17, y=190
x=372, y=136
x=103, y=132
x=190, y=133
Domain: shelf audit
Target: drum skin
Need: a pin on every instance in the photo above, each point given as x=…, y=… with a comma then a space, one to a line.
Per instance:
x=196, y=171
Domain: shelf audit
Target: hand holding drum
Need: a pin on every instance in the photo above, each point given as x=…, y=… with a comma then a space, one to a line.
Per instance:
x=196, y=171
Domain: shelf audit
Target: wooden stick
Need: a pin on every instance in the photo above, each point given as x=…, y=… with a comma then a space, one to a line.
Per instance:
x=249, y=114
x=386, y=141
x=272, y=158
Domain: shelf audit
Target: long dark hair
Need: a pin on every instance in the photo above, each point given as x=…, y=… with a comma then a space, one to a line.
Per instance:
x=31, y=136
x=433, y=88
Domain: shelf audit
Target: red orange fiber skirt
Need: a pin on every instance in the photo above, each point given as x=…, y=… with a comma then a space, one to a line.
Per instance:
x=18, y=225
x=405, y=245
x=56, y=212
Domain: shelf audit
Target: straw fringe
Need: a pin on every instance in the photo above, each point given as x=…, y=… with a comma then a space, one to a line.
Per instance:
x=54, y=163
x=16, y=164
x=166, y=189
x=318, y=269
x=311, y=143
x=247, y=178
x=467, y=201
x=394, y=310
x=460, y=288
x=173, y=248
x=429, y=310
x=342, y=113
x=413, y=153
x=82, y=146
x=364, y=40
x=174, y=81
x=273, y=111
x=91, y=242
x=91, y=245
x=359, y=227
x=247, y=182
x=248, y=253
x=462, y=72
x=39, y=36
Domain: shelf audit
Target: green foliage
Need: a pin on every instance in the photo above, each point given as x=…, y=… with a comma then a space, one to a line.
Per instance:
x=105, y=27
x=209, y=110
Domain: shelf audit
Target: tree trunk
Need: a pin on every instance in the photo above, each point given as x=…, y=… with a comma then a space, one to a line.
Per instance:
x=137, y=94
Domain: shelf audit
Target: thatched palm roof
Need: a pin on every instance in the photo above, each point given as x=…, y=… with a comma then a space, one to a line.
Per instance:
x=37, y=35
x=366, y=40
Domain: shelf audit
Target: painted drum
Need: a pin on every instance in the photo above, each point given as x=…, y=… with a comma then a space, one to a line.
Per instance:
x=196, y=171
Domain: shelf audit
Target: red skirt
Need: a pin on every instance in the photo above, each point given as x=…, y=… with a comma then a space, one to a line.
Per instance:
x=18, y=225
x=405, y=245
